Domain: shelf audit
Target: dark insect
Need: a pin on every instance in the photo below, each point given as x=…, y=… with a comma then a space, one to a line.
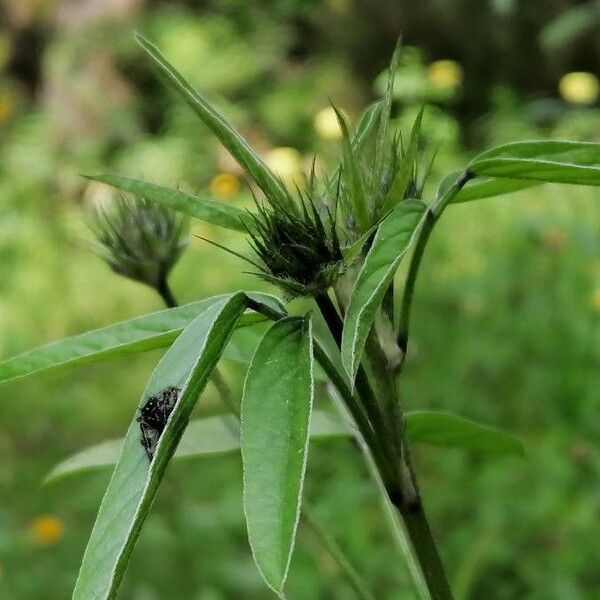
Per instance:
x=153, y=417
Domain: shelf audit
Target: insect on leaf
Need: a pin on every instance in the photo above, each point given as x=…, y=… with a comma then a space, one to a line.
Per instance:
x=134, y=483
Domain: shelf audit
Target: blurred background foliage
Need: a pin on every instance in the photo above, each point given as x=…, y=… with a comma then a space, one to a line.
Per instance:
x=507, y=325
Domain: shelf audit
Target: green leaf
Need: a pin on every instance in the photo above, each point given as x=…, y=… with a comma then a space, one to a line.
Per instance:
x=211, y=436
x=549, y=161
x=392, y=240
x=228, y=136
x=481, y=187
x=156, y=330
x=134, y=483
x=385, y=112
x=366, y=126
x=407, y=167
x=276, y=407
x=219, y=435
x=445, y=429
x=352, y=176
x=216, y=213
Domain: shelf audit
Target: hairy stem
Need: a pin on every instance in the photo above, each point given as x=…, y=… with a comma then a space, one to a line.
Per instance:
x=165, y=293
x=431, y=217
x=363, y=386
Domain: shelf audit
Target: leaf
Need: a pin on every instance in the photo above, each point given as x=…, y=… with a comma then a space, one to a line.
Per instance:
x=219, y=435
x=276, y=406
x=385, y=112
x=446, y=429
x=366, y=125
x=481, y=187
x=156, y=330
x=228, y=136
x=392, y=240
x=353, y=177
x=211, y=436
x=134, y=483
x=407, y=167
x=217, y=213
x=550, y=161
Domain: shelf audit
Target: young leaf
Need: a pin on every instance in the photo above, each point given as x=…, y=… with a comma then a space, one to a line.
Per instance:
x=353, y=177
x=445, y=429
x=156, y=330
x=276, y=409
x=134, y=483
x=482, y=187
x=392, y=240
x=228, y=136
x=216, y=213
x=550, y=161
x=406, y=171
x=386, y=112
x=366, y=126
x=212, y=436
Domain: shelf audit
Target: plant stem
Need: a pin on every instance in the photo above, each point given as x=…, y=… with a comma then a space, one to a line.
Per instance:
x=431, y=217
x=365, y=391
x=424, y=546
x=165, y=293
x=401, y=488
x=336, y=553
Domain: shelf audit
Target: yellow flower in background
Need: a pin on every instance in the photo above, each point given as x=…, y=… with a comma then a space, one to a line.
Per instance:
x=286, y=162
x=225, y=185
x=596, y=299
x=579, y=87
x=46, y=530
x=445, y=74
x=6, y=106
x=326, y=124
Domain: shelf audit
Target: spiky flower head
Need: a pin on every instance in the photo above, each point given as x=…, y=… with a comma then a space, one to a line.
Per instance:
x=139, y=239
x=297, y=245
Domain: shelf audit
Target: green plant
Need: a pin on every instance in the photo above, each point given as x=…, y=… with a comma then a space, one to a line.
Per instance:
x=344, y=236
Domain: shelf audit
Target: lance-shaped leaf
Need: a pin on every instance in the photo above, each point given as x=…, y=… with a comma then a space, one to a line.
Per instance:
x=156, y=330
x=550, y=161
x=216, y=213
x=353, y=177
x=212, y=436
x=276, y=409
x=215, y=436
x=446, y=429
x=364, y=130
x=392, y=240
x=482, y=187
x=406, y=171
x=186, y=366
x=228, y=136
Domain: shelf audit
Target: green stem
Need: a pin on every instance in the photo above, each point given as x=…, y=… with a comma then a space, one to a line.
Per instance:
x=365, y=391
x=431, y=217
x=357, y=412
x=165, y=293
x=337, y=554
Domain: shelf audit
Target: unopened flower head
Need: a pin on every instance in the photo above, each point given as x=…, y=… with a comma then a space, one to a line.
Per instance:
x=139, y=239
x=297, y=245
